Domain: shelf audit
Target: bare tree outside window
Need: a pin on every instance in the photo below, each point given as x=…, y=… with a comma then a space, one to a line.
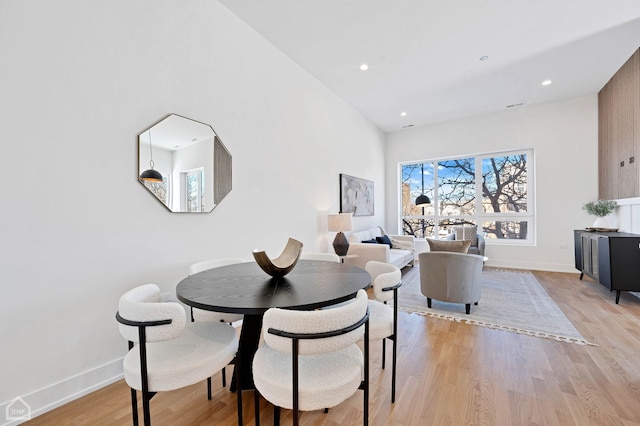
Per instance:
x=504, y=190
x=491, y=191
x=456, y=187
x=417, y=179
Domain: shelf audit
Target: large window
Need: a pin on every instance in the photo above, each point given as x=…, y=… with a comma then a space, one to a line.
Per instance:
x=493, y=191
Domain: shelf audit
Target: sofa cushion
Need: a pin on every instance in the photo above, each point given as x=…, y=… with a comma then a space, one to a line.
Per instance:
x=400, y=258
x=384, y=240
x=366, y=234
x=461, y=246
x=402, y=245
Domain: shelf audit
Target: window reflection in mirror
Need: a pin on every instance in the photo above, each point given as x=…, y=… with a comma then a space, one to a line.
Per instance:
x=194, y=164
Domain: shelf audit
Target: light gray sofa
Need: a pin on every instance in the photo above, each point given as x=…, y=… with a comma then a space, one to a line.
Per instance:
x=401, y=255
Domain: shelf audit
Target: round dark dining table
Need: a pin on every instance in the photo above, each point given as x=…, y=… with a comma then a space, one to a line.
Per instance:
x=246, y=289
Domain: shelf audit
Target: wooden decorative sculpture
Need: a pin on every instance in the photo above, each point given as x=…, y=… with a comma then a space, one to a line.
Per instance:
x=283, y=264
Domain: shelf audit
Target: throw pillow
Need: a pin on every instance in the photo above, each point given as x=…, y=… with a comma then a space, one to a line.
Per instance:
x=384, y=240
x=402, y=245
x=371, y=241
x=467, y=232
x=461, y=246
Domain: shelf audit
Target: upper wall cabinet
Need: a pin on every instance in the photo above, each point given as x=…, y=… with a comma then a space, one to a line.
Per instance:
x=184, y=164
x=619, y=133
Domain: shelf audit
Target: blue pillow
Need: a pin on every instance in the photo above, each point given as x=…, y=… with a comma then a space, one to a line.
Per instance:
x=384, y=240
x=371, y=241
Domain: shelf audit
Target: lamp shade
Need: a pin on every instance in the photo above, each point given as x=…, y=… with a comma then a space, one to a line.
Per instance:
x=422, y=200
x=151, y=175
x=340, y=222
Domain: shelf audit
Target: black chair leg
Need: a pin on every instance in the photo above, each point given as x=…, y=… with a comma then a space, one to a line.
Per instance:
x=134, y=407
x=393, y=372
x=384, y=352
x=467, y=308
x=276, y=416
x=209, y=388
x=239, y=396
x=364, y=385
x=238, y=390
x=428, y=302
x=224, y=377
x=146, y=410
x=256, y=398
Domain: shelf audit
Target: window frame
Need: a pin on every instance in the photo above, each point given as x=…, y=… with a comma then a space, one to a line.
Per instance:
x=479, y=217
x=198, y=173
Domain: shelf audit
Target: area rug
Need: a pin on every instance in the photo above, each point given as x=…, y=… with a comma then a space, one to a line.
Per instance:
x=512, y=301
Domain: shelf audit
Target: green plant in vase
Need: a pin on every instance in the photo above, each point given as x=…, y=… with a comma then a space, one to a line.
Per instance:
x=600, y=208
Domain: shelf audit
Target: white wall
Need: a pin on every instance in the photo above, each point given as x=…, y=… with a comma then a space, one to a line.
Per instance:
x=564, y=136
x=79, y=81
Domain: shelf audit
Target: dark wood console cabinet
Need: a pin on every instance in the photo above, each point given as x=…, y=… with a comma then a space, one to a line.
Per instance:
x=610, y=258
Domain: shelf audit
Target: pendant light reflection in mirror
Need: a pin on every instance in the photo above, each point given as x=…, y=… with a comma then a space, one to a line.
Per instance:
x=151, y=175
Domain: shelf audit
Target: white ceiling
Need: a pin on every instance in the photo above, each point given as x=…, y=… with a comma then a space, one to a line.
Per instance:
x=424, y=55
x=176, y=132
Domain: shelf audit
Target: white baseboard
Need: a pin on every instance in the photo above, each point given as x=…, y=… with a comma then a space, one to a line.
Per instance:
x=534, y=266
x=57, y=394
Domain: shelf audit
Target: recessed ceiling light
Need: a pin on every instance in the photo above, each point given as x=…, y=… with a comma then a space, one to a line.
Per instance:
x=364, y=67
x=484, y=58
x=546, y=82
x=404, y=114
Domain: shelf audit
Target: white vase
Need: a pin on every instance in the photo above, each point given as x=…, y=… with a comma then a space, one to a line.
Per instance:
x=601, y=222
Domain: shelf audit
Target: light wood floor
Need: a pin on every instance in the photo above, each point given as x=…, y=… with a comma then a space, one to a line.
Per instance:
x=449, y=374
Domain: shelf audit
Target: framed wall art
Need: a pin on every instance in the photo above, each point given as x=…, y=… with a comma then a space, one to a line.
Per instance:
x=356, y=196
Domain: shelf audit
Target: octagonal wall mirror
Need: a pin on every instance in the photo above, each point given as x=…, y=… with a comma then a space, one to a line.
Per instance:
x=184, y=164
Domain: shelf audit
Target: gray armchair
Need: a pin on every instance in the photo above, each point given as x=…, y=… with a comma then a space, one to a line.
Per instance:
x=478, y=248
x=451, y=277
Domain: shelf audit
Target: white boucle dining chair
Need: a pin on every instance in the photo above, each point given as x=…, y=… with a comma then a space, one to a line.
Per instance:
x=212, y=316
x=386, y=279
x=310, y=360
x=166, y=352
